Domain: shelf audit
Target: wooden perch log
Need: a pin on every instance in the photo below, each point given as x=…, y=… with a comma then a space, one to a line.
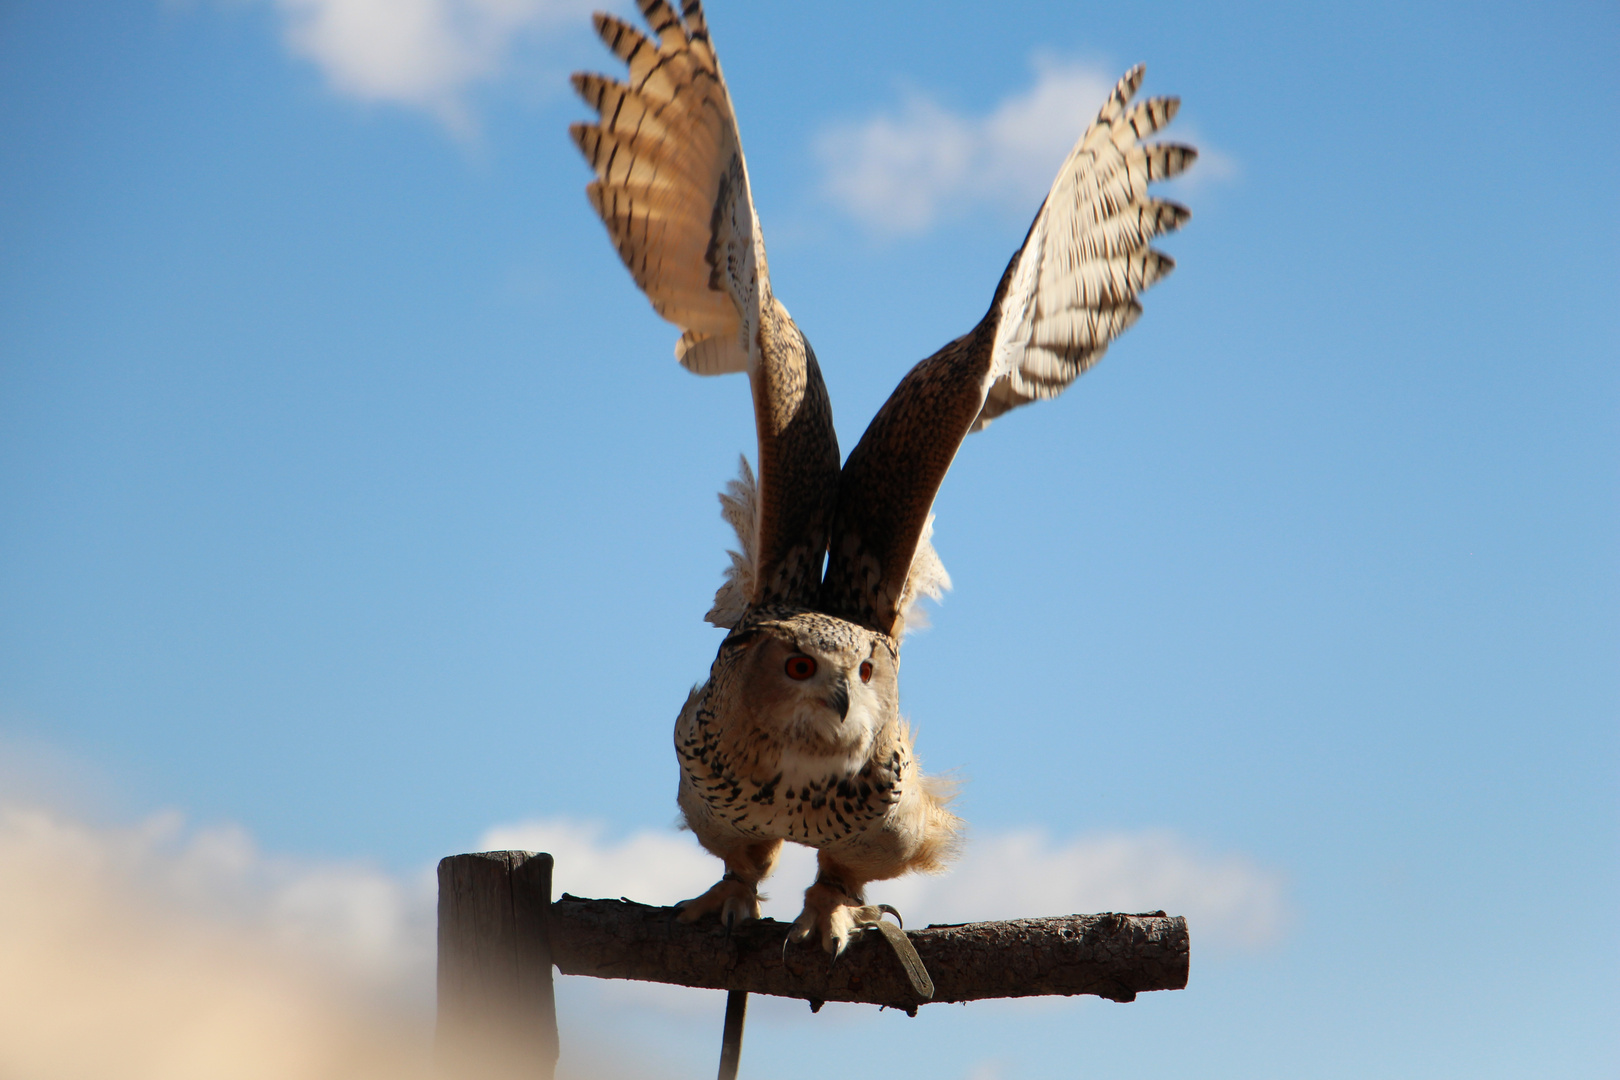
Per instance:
x=499, y=934
x=1111, y=956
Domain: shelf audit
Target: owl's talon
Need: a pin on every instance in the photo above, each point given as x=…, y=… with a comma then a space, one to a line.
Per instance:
x=733, y=899
x=830, y=914
x=872, y=914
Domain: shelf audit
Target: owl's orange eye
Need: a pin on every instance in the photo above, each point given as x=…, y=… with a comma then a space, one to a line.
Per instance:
x=866, y=671
x=799, y=667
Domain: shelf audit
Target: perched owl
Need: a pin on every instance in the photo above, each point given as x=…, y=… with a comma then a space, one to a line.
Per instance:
x=797, y=733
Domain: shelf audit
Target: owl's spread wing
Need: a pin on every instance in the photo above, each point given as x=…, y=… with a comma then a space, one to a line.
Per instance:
x=672, y=188
x=1075, y=282
x=1069, y=291
x=671, y=185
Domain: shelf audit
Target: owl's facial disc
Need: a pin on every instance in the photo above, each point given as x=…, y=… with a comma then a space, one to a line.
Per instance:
x=837, y=698
x=801, y=668
x=813, y=694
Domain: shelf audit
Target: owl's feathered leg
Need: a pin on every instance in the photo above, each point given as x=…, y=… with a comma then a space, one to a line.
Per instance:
x=834, y=907
x=736, y=895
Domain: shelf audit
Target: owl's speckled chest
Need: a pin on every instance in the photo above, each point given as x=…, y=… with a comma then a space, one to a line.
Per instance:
x=747, y=782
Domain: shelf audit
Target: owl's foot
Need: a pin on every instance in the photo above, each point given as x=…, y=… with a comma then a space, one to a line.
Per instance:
x=838, y=923
x=835, y=917
x=735, y=899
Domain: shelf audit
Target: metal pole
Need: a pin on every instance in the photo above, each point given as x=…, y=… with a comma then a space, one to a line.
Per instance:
x=731, y=1040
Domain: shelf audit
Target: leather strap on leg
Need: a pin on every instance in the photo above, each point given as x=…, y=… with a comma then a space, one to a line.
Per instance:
x=871, y=917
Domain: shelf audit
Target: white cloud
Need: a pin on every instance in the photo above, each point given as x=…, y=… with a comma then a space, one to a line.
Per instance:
x=423, y=54
x=900, y=173
x=146, y=952
x=649, y=867
x=161, y=952
x=1229, y=900
x=164, y=951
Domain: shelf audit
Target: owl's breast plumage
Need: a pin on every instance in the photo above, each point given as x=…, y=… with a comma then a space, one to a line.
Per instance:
x=742, y=778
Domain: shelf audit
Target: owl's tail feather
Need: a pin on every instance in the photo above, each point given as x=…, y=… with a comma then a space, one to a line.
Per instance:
x=927, y=577
x=942, y=830
x=739, y=505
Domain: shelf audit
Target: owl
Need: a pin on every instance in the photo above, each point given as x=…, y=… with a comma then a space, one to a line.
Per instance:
x=797, y=735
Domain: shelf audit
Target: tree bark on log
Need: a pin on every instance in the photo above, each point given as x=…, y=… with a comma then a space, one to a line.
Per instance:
x=1112, y=956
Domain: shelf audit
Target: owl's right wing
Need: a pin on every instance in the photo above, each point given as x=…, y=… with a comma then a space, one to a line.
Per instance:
x=672, y=188
x=671, y=185
x=1068, y=291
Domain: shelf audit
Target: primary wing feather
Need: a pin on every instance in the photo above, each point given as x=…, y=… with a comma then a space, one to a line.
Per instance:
x=1077, y=277
x=1069, y=291
x=671, y=185
x=672, y=188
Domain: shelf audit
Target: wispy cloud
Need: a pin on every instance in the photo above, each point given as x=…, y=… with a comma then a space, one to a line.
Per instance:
x=164, y=951
x=154, y=952
x=901, y=172
x=651, y=867
x=159, y=951
x=1230, y=901
x=422, y=54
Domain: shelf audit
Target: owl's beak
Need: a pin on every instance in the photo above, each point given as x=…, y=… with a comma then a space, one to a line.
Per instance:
x=838, y=697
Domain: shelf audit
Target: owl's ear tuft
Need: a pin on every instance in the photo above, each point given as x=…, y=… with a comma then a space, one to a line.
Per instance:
x=737, y=642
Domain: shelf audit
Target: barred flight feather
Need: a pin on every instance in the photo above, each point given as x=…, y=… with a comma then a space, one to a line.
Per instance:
x=662, y=19
x=1074, y=285
x=692, y=12
x=719, y=354
x=671, y=185
x=1151, y=115
x=650, y=161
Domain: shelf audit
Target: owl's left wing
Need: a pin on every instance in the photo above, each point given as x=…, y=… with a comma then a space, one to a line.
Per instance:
x=1069, y=291
x=672, y=188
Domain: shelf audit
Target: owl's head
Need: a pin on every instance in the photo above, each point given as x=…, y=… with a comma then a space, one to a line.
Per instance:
x=817, y=682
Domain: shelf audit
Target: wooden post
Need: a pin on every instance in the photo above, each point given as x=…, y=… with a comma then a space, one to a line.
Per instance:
x=497, y=1015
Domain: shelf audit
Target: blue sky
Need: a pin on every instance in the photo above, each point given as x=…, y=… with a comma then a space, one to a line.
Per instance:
x=350, y=496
